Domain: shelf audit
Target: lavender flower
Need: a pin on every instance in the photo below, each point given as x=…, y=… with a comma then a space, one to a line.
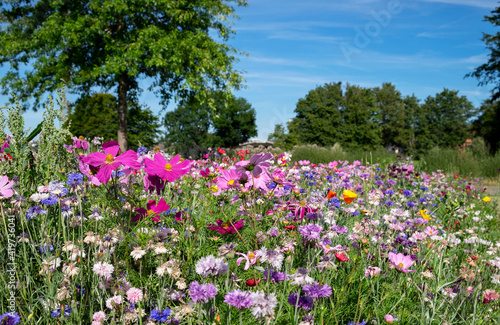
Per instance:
x=210, y=265
x=302, y=302
x=239, y=299
x=317, y=291
x=311, y=231
x=202, y=292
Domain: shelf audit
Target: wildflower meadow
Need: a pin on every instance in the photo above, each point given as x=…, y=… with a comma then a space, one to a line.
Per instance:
x=94, y=235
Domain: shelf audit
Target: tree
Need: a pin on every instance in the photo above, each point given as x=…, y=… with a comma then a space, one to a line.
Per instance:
x=283, y=139
x=446, y=119
x=488, y=124
x=96, y=116
x=489, y=73
x=114, y=44
x=192, y=126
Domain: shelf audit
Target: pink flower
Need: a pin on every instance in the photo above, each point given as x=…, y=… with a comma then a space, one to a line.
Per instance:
x=103, y=269
x=98, y=316
x=167, y=170
x=5, y=186
x=229, y=227
x=259, y=182
x=109, y=161
x=80, y=143
x=401, y=262
x=229, y=178
x=430, y=231
x=134, y=295
x=250, y=258
x=389, y=318
x=117, y=300
x=257, y=163
x=489, y=295
x=153, y=210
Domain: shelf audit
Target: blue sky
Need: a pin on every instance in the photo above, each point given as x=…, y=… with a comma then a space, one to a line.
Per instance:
x=293, y=46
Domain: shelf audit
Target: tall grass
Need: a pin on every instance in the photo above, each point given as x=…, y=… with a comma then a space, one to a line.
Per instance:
x=471, y=163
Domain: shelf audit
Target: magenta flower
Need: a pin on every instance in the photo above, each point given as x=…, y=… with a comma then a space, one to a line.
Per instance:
x=109, y=161
x=167, y=170
x=80, y=143
x=250, y=259
x=229, y=227
x=5, y=186
x=229, y=178
x=153, y=210
x=401, y=262
x=257, y=164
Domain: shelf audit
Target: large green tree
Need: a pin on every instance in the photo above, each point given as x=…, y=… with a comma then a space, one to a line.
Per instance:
x=97, y=116
x=112, y=44
x=489, y=72
x=487, y=125
x=226, y=122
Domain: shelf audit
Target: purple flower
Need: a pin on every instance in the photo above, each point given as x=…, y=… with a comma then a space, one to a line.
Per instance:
x=239, y=299
x=303, y=301
x=257, y=164
x=10, y=319
x=199, y=292
x=210, y=265
x=274, y=276
x=310, y=231
x=160, y=316
x=340, y=229
x=317, y=291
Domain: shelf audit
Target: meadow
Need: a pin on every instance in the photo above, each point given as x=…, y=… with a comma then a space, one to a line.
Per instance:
x=91, y=234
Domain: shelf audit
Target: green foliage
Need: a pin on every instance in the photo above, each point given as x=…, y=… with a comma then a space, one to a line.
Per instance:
x=488, y=123
x=97, y=116
x=114, y=44
x=283, y=139
x=225, y=121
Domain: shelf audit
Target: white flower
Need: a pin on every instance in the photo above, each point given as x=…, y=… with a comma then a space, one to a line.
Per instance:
x=137, y=253
x=37, y=197
x=103, y=269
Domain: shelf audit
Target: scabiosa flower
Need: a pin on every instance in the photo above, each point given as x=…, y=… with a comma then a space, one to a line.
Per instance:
x=229, y=227
x=160, y=316
x=340, y=229
x=202, y=292
x=263, y=307
x=274, y=276
x=210, y=265
x=317, y=291
x=304, y=302
x=401, y=262
x=10, y=319
x=134, y=295
x=311, y=231
x=239, y=299
x=167, y=170
x=103, y=269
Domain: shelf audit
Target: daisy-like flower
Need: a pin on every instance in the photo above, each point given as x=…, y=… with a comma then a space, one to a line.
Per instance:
x=153, y=211
x=229, y=227
x=167, y=170
x=5, y=187
x=401, y=262
x=250, y=259
x=103, y=269
x=110, y=160
x=134, y=295
x=257, y=164
x=229, y=179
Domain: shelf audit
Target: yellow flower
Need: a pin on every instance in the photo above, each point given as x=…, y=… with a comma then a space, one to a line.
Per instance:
x=425, y=215
x=349, y=196
x=486, y=199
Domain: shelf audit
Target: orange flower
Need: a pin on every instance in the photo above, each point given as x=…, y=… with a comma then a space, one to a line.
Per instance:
x=331, y=194
x=349, y=196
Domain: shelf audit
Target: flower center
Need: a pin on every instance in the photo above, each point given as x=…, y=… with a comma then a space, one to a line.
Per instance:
x=400, y=265
x=225, y=225
x=231, y=182
x=168, y=167
x=109, y=158
x=251, y=256
x=327, y=246
x=303, y=203
x=81, y=138
x=150, y=212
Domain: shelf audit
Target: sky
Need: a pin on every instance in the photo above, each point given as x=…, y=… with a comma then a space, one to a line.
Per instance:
x=294, y=46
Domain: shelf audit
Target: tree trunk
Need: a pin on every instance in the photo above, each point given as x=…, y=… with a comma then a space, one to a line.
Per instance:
x=122, y=111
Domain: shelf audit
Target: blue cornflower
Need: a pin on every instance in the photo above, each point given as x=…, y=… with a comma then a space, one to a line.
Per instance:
x=411, y=204
x=51, y=200
x=160, y=316
x=407, y=193
x=10, y=319
x=44, y=249
x=363, y=322
x=271, y=185
x=57, y=312
x=423, y=188
x=74, y=179
x=389, y=203
x=142, y=150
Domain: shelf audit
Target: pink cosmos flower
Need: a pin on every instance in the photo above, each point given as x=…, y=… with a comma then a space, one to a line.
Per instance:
x=259, y=182
x=229, y=179
x=226, y=227
x=87, y=170
x=257, y=163
x=372, y=271
x=165, y=169
x=250, y=259
x=153, y=210
x=401, y=262
x=134, y=295
x=5, y=187
x=109, y=160
x=430, y=231
x=80, y=143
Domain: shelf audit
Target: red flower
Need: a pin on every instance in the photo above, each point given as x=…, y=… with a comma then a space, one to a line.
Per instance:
x=221, y=151
x=252, y=282
x=290, y=227
x=341, y=257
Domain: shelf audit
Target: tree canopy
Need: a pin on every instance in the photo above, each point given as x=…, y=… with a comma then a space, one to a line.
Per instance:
x=112, y=44
x=192, y=126
x=96, y=116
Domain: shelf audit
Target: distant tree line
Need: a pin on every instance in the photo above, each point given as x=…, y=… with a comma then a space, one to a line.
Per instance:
x=370, y=118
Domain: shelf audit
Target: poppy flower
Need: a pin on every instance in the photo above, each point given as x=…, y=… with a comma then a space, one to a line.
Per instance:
x=341, y=257
x=290, y=227
x=252, y=282
x=331, y=194
x=349, y=196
